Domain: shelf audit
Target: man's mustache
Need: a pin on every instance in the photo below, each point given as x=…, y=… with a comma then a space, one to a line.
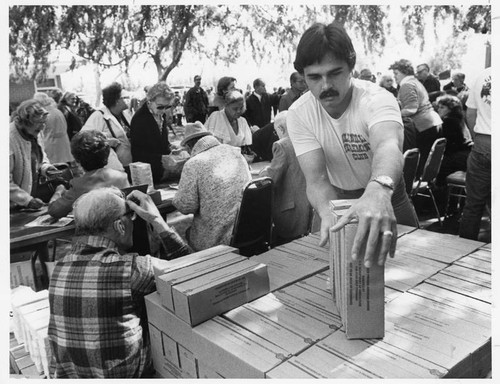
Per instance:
x=328, y=93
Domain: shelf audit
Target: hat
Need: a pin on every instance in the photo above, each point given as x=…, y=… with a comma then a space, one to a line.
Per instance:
x=194, y=130
x=197, y=77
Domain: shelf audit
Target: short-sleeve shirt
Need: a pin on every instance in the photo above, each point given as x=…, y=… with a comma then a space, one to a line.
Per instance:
x=345, y=141
x=480, y=99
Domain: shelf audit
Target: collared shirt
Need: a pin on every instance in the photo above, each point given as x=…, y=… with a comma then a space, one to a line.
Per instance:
x=98, y=327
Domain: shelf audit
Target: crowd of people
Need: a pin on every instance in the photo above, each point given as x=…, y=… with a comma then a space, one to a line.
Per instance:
x=330, y=135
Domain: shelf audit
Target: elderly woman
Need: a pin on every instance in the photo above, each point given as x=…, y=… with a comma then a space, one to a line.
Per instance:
x=224, y=85
x=67, y=105
x=414, y=102
x=91, y=151
x=149, y=128
x=27, y=159
x=228, y=126
x=458, y=145
x=54, y=136
x=110, y=121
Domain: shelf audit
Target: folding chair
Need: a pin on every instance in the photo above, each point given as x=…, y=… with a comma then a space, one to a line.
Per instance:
x=425, y=184
x=253, y=224
x=411, y=158
x=455, y=183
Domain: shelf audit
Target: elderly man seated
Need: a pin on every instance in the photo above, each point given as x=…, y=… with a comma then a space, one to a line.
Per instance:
x=91, y=151
x=211, y=186
x=97, y=323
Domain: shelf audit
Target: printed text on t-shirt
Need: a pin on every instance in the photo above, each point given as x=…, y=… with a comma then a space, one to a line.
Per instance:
x=357, y=145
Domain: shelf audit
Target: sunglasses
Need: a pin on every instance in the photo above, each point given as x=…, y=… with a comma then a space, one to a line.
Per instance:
x=162, y=107
x=131, y=213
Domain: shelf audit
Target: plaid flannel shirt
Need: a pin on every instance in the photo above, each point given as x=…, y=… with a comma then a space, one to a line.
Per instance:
x=98, y=326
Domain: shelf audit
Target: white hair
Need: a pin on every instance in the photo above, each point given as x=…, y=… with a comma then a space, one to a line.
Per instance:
x=95, y=211
x=280, y=124
x=44, y=99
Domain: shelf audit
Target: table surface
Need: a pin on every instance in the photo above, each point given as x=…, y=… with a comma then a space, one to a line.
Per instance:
x=22, y=236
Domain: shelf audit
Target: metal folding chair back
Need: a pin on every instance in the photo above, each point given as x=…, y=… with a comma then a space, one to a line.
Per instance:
x=253, y=224
x=411, y=159
x=433, y=163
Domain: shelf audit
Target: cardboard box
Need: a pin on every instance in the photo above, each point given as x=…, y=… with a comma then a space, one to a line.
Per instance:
x=467, y=274
x=338, y=357
x=140, y=173
x=166, y=281
x=206, y=372
x=358, y=291
x=289, y=370
x=268, y=329
x=461, y=286
x=313, y=252
x=22, y=274
x=294, y=329
x=285, y=268
x=226, y=348
x=315, y=307
x=437, y=246
x=453, y=299
x=206, y=296
x=433, y=331
x=170, y=350
x=406, y=270
x=187, y=363
x=477, y=264
x=185, y=261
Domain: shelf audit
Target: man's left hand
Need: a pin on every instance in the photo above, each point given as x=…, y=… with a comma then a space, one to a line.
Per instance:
x=377, y=228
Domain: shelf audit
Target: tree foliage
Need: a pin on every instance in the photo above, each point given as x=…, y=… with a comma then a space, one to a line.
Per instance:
x=120, y=35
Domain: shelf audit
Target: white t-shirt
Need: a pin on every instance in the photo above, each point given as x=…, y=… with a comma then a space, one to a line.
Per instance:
x=345, y=141
x=480, y=99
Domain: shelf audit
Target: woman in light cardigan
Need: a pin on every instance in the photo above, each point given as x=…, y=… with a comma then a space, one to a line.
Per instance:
x=27, y=159
x=414, y=102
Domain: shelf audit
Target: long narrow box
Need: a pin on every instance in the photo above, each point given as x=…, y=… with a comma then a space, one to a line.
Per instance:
x=358, y=291
x=337, y=357
x=166, y=281
x=224, y=347
x=285, y=267
x=438, y=332
x=193, y=258
x=459, y=285
x=206, y=296
x=437, y=246
x=406, y=271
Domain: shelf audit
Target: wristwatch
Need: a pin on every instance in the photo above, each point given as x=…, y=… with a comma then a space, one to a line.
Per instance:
x=385, y=181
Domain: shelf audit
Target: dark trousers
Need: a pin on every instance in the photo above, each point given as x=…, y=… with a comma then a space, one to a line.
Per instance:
x=478, y=187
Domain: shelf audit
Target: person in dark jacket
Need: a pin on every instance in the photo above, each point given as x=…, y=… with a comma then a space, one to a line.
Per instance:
x=458, y=145
x=258, y=105
x=196, y=103
x=149, y=129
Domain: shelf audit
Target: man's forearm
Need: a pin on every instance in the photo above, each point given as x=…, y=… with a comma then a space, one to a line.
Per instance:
x=173, y=245
x=319, y=195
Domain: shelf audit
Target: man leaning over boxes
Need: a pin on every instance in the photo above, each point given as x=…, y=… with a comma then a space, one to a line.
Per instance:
x=347, y=134
x=97, y=323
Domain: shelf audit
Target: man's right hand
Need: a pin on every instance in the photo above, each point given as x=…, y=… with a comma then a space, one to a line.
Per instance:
x=144, y=206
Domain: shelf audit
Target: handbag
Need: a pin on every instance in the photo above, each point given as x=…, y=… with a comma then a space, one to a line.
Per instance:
x=46, y=185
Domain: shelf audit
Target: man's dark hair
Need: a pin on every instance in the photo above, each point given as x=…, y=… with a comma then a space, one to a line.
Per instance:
x=404, y=66
x=294, y=76
x=257, y=82
x=321, y=39
x=90, y=149
x=111, y=94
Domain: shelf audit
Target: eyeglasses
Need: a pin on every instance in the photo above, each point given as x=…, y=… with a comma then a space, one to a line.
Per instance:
x=131, y=213
x=162, y=107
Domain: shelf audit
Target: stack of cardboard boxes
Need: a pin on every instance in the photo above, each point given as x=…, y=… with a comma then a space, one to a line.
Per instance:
x=437, y=319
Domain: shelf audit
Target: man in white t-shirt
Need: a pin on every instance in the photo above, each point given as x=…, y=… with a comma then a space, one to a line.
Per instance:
x=478, y=178
x=348, y=134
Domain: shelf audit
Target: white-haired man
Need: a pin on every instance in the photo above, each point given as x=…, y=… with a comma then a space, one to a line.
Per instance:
x=98, y=327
